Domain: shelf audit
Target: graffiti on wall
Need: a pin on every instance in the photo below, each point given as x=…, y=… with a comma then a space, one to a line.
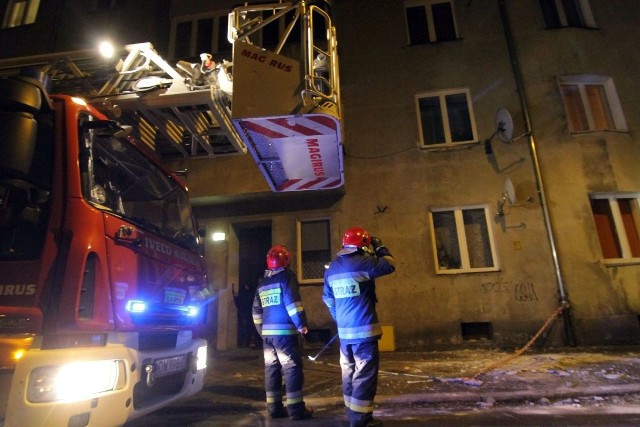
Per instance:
x=522, y=291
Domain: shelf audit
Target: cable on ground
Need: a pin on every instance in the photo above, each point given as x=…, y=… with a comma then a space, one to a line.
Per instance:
x=473, y=381
x=519, y=352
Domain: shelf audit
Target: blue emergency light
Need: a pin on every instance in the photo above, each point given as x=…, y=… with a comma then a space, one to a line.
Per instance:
x=136, y=306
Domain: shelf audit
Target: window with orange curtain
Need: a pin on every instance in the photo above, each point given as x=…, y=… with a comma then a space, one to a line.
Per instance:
x=591, y=103
x=617, y=220
x=577, y=116
x=599, y=106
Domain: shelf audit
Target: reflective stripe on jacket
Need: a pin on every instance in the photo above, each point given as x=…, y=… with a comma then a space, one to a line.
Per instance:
x=350, y=294
x=277, y=307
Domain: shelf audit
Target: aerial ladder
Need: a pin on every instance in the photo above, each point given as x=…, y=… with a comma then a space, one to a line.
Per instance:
x=279, y=103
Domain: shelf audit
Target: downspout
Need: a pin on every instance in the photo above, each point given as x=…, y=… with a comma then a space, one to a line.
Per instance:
x=564, y=301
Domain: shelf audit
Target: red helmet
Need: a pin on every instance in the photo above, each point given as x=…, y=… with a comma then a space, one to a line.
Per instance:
x=278, y=257
x=356, y=236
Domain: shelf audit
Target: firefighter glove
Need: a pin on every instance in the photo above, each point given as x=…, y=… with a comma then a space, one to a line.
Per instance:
x=379, y=249
x=375, y=242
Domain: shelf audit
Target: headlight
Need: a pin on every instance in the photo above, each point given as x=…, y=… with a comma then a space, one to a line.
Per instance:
x=75, y=381
x=201, y=358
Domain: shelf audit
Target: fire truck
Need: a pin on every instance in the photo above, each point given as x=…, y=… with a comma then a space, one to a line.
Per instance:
x=103, y=288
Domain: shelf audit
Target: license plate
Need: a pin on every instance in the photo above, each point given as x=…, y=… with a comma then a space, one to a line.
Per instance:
x=174, y=296
x=170, y=365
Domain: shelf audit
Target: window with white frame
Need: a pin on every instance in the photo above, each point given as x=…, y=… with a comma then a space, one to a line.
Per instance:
x=103, y=5
x=445, y=118
x=463, y=239
x=617, y=220
x=567, y=13
x=430, y=21
x=196, y=34
x=314, y=249
x=591, y=103
x=20, y=12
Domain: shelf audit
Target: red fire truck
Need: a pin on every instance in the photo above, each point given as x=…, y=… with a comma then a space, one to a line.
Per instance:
x=103, y=292
x=102, y=288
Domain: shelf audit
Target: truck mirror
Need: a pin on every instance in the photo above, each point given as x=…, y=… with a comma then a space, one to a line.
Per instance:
x=108, y=128
x=125, y=130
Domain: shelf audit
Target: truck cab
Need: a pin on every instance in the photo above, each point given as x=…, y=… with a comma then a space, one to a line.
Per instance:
x=103, y=294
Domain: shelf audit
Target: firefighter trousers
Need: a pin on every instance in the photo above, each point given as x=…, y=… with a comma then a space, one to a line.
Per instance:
x=360, y=363
x=283, y=359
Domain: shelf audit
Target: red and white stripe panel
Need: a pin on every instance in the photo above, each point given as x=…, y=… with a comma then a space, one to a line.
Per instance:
x=296, y=152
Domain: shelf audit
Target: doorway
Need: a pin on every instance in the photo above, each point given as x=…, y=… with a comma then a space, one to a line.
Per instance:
x=254, y=241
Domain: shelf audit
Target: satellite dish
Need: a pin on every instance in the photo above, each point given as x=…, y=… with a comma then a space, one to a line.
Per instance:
x=504, y=125
x=509, y=191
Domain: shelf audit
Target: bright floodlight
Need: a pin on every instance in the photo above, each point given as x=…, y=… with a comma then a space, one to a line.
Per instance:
x=74, y=381
x=201, y=358
x=219, y=236
x=106, y=49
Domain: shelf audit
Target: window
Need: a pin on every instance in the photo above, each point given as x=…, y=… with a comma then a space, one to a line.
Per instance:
x=430, y=21
x=463, y=240
x=110, y=4
x=591, y=103
x=567, y=13
x=445, y=118
x=314, y=249
x=617, y=219
x=117, y=178
x=193, y=35
x=20, y=12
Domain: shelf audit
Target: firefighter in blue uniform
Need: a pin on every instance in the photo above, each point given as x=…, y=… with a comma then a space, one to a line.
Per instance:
x=350, y=295
x=279, y=316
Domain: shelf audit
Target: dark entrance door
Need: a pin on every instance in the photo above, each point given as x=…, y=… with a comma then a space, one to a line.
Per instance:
x=254, y=243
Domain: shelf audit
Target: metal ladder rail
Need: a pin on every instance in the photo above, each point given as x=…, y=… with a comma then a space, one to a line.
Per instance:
x=330, y=53
x=223, y=116
x=311, y=92
x=137, y=64
x=244, y=29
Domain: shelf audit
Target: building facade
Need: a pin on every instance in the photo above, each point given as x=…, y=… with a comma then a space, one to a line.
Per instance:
x=491, y=145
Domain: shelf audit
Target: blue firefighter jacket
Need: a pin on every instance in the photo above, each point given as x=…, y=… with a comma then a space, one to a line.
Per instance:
x=350, y=293
x=277, y=308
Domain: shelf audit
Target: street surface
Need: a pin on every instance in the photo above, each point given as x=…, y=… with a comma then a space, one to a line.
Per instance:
x=578, y=416
x=572, y=387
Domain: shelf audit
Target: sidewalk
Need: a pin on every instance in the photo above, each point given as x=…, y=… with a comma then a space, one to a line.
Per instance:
x=414, y=378
x=486, y=377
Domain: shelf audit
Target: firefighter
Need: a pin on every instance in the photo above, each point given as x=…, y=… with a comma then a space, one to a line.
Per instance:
x=350, y=295
x=279, y=316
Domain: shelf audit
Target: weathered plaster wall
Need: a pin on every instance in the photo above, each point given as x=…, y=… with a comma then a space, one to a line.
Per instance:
x=384, y=167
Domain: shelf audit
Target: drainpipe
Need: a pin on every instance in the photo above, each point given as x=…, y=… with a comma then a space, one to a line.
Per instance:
x=564, y=301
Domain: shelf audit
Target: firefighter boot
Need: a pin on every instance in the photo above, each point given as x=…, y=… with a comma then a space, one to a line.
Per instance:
x=299, y=411
x=277, y=411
